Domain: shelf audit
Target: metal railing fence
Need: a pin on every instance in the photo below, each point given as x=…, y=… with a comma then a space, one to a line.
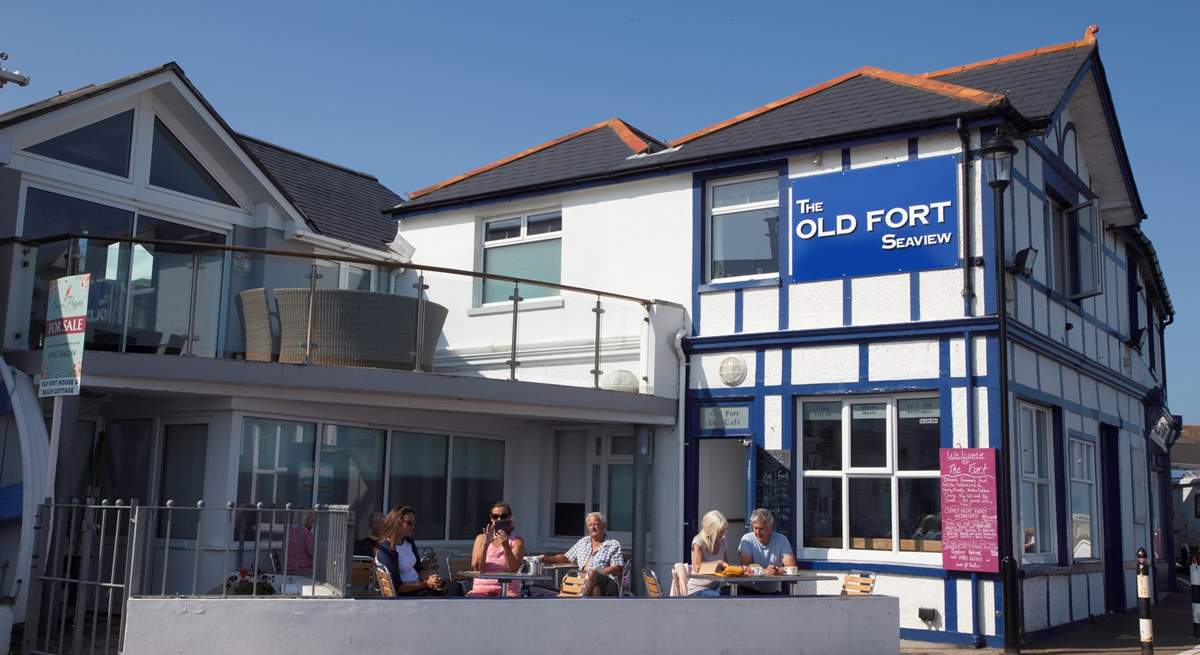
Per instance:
x=91, y=557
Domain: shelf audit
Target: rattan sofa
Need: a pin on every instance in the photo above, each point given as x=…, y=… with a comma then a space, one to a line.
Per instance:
x=349, y=328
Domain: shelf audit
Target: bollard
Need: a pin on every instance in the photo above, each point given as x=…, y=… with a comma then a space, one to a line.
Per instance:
x=1145, y=624
x=1194, y=580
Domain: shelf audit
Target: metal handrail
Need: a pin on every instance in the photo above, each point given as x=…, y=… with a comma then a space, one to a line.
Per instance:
x=332, y=257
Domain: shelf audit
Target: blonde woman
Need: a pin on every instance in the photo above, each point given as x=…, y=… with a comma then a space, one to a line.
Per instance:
x=708, y=546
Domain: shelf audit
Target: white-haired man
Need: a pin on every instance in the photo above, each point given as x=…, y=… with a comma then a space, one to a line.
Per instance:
x=597, y=556
x=766, y=548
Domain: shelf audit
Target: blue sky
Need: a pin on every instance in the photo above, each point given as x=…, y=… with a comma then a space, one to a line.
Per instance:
x=416, y=92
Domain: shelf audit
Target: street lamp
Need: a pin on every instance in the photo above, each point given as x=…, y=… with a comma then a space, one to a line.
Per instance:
x=998, y=155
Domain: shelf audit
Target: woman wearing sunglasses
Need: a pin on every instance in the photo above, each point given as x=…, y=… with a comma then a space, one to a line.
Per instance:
x=397, y=553
x=498, y=549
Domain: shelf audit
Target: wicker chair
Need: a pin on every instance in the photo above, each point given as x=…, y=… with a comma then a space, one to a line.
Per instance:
x=356, y=328
x=262, y=345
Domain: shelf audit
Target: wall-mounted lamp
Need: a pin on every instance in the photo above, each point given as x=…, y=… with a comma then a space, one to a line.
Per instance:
x=746, y=441
x=1023, y=262
x=1135, y=339
x=1068, y=327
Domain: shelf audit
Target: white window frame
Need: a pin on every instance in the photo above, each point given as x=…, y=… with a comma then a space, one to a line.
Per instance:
x=604, y=460
x=523, y=237
x=1092, y=484
x=1064, y=247
x=709, y=212
x=1050, y=554
x=891, y=472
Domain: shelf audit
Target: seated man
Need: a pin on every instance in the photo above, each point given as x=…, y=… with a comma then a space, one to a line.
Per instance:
x=766, y=548
x=300, y=546
x=597, y=557
x=366, y=546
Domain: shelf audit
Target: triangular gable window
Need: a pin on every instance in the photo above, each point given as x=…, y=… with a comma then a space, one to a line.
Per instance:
x=173, y=167
x=101, y=146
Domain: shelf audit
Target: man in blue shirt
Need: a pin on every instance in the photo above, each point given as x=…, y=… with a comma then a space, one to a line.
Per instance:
x=767, y=549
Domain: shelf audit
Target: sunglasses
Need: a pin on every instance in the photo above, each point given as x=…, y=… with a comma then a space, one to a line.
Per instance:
x=501, y=517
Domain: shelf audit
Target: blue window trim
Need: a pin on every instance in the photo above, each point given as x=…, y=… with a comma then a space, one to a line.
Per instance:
x=888, y=331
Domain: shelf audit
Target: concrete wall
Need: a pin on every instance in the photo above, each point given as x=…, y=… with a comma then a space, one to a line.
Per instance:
x=802, y=625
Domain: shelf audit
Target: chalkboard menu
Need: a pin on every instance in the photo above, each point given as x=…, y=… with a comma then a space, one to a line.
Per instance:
x=773, y=486
x=970, y=528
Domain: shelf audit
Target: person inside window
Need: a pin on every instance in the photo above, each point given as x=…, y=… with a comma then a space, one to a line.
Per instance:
x=498, y=549
x=397, y=553
x=366, y=546
x=708, y=546
x=766, y=548
x=598, y=557
x=301, y=545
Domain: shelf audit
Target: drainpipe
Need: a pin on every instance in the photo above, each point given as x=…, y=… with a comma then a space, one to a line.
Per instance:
x=680, y=432
x=968, y=290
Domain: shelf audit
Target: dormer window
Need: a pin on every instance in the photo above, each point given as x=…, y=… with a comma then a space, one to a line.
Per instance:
x=173, y=167
x=102, y=146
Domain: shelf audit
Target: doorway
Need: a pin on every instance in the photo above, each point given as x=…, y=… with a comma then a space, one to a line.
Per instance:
x=1114, y=570
x=721, y=485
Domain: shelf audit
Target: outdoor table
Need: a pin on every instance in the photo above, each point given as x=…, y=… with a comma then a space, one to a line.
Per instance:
x=734, y=580
x=506, y=578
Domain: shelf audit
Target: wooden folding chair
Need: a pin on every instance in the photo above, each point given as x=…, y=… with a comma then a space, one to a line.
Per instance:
x=573, y=583
x=650, y=579
x=858, y=583
x=363, y=582
x=384, y=579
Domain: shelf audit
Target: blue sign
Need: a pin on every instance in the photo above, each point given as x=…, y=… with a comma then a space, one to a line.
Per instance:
x=870, y=221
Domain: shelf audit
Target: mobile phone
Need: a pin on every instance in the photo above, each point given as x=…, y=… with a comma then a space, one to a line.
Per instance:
x=504, y=524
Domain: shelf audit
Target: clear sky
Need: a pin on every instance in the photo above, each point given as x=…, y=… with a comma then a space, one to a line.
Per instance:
x=415, y=92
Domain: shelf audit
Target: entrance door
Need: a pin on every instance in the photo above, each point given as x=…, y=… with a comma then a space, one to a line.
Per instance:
x=1114, y=574
x=721, y=485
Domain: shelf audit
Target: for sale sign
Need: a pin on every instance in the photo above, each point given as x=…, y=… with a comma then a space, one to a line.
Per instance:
x=66, y=326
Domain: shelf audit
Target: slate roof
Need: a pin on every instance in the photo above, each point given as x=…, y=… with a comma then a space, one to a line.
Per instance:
x=1027, y=86
x=1033, y=85
x=336, y=201
x=589, y=151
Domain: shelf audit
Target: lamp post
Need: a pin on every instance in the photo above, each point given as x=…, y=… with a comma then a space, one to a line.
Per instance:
x=998, y=155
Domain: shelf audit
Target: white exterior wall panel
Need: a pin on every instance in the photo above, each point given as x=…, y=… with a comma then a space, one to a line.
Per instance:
x=814, y=305
x=906, y=360
x=823, y=364
x=760, y=310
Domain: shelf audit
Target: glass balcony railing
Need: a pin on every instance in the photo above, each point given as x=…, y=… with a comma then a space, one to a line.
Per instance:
x=193, y=299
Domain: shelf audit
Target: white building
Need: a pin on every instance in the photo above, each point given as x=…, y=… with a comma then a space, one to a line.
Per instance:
x=828, y=363
x=205, y=247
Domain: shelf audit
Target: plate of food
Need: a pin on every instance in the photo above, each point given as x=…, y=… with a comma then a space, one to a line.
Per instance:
x=734, y=571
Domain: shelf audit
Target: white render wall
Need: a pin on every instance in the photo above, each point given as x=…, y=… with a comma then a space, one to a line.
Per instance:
x=633, y=238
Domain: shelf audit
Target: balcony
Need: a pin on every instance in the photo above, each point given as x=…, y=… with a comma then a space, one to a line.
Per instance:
x=193, y=301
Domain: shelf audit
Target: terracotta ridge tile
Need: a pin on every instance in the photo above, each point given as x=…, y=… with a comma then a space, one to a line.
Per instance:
x=1089, y=38
x=944, y=88
x=757, y=111
x=619, y=127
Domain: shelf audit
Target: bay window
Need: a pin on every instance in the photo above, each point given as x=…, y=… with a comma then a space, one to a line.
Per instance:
x=871, y=479
x=743, y=228
x=526, y=246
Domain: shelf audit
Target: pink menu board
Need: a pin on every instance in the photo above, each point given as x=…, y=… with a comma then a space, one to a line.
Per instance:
x=970, y=528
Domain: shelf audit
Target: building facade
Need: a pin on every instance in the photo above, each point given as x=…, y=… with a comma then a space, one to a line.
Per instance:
x=835, y=249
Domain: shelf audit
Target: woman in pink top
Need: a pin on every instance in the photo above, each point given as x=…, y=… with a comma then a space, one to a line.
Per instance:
x=497, y=549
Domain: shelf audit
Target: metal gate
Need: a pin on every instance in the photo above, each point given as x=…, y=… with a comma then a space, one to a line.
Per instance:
x=79, y=577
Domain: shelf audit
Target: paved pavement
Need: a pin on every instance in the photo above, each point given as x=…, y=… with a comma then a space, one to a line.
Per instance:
x=1111, y=634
